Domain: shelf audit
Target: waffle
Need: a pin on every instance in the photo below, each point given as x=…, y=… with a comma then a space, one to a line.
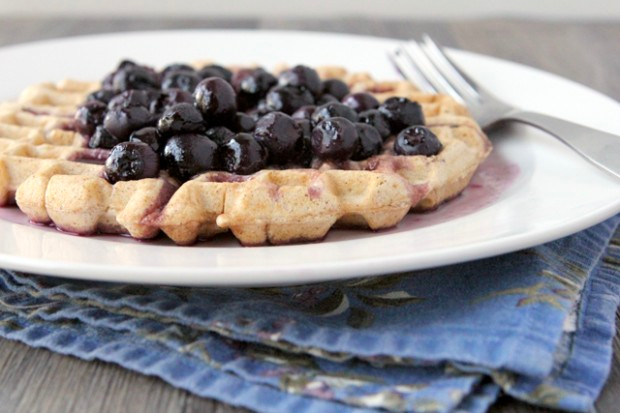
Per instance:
x=53, y=178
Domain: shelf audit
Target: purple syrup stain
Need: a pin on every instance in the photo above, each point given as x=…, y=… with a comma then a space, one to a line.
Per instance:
x=223, y=177
x=69, y=126
x=493, y=178
x=12, y=214
x=96, y=156
x=314, y=192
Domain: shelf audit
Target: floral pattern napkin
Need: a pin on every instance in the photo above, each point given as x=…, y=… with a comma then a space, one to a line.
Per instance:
x=536, y=325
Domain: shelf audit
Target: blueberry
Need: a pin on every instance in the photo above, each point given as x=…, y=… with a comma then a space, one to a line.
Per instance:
x=89, y=116
x=149, y=135
x=102, y=139
x=215, y=71
x=334, y=139
x=304, y=112
x=335, y=87
x=130, y=98
x=180, y=79
x=169, y=98
x=244, y=155
x=102, y=95
x=303, y=150
x=130, y=161
x=280, y=134
x=288, y=99
x=174, y=67
x=333, y=110
x=326, y=98
x=216, y=99
x=361, y=101
x=108, y=80
x=121, y=122
x=302, y=77
x=370, y=142
x=188, y=155
x=243, y=123
x=252, y=85
x=401, y=113
x=375, y=118
x=417, y=140
x=135, y=77
x=180, y=118
x=219, y=134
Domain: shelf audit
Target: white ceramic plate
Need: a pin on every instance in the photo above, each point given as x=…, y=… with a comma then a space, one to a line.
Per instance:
x=531, y=190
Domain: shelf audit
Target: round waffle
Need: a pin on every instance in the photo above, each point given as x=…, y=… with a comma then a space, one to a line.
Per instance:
x=53, y=178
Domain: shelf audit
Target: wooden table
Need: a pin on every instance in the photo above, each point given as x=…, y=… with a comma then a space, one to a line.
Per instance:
x=34, y=380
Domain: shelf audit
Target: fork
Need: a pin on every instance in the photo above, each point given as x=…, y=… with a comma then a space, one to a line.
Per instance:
x=428, y=66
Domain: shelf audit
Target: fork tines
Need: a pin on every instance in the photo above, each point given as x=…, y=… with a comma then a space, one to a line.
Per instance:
x=427, y=65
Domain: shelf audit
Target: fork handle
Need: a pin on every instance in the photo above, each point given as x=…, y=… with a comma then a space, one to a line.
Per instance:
x=600, y=148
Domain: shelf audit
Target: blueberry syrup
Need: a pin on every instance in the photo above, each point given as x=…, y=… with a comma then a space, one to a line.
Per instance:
x=96, y=156
x=493, y=178
x=12, y=214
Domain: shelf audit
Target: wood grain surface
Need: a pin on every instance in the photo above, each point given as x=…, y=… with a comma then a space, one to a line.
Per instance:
x=35, y=380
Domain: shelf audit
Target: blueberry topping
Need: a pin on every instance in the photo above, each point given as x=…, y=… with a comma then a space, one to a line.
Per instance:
x=335, y=87
x=302, y=77
x=121, y=122
x=401, y=113
x=180, y=118
x=216, y=99
x=244, y=155
x=215, y=71
x=304, y=112
x=168, y=99
x=303, y=150
x=417, y=140
x=375, y=118
x=102, y=139
x=333, y=110
x=89, y=116
x=251, y=85
x=135, y=77
x=180, y=79
x=188, y=155
x=288, y=99
x=131, y=160
x=370, y=142
x=334, y=139
x=149, y=135
x=174, y=67
x=209, y=119
x=243, y=123
x=219, y=134
x=102, y=95
x=279, y=133
x=129, y=98
x=361, y=101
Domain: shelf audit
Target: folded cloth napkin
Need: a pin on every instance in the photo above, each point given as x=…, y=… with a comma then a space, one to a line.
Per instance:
x=536, y=324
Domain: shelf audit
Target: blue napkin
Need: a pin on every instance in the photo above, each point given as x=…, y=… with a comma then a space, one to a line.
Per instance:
x=536, y=325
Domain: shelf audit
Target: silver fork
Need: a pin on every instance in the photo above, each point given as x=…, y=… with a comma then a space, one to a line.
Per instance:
x=427, y=65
